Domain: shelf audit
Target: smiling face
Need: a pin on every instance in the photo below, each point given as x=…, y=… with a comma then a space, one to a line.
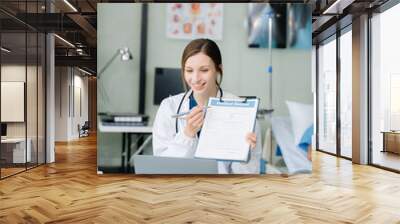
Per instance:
x=200, y=73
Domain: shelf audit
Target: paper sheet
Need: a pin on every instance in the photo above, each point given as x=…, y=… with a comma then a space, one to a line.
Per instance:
x=223, y=136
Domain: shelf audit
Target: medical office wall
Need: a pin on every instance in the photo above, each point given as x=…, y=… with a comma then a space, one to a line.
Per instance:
x=245, y=69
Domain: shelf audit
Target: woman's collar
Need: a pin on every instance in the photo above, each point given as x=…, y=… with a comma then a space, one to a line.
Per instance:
x=219, y=93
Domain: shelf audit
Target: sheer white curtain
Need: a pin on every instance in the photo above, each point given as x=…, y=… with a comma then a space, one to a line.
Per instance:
x=327, y=96
x=346, y=93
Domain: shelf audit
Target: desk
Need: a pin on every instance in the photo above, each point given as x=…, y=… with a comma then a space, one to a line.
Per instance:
x=391, y=141
x=17, y=150
x=126, y=132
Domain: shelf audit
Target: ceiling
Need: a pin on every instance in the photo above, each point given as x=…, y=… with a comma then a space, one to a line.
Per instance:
x=76, y=20
x=330, y=15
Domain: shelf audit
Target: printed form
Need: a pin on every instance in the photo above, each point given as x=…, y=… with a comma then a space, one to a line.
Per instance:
x=226, y=124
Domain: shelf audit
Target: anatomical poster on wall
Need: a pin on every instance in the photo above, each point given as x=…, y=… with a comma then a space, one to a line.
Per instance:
x=194, y=20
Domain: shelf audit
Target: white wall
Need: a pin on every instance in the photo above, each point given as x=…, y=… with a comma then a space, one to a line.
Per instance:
x=61, y=103
x=118, y=25
x=15, y=72
x=68, y=81
x=79, y=117
x=33, y=125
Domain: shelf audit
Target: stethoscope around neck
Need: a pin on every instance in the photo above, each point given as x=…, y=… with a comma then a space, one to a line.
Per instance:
x=183, y=99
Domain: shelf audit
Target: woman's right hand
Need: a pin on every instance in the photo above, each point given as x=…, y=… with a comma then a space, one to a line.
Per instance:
x=194, y=121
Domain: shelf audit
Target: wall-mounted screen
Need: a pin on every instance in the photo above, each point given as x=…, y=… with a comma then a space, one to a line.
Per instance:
x=290, y=25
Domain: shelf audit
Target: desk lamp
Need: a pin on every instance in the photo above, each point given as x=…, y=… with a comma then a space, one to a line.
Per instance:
x=125, y=56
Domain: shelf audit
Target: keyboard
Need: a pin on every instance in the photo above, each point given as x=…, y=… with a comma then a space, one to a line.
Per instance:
x=136, y=124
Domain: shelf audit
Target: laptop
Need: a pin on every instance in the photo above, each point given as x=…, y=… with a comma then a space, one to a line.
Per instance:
x=149, y=164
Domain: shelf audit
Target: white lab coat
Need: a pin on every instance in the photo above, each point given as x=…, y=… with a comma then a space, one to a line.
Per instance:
x=168, y=143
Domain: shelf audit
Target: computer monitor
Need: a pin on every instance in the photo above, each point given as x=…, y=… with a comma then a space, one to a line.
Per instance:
x=167, y=82
x=3, y=129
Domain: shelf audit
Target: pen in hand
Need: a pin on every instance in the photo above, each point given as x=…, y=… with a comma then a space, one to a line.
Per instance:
x=182, y=115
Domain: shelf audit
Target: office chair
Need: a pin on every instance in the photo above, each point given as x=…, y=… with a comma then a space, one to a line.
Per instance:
x=84, y=130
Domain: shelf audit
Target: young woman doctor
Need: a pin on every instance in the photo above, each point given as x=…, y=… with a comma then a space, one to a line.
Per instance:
x=201, y=65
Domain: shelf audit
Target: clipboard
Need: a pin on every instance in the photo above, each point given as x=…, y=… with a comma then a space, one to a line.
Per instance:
x=226, y=123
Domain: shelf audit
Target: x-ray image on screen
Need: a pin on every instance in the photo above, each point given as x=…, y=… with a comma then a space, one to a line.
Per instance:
x=299, y=26
x=259, y=14
x=291, y=25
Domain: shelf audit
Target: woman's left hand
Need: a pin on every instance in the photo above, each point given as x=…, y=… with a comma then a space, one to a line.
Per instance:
x=251, y=138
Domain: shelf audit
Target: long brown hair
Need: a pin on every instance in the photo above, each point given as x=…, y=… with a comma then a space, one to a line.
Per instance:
x=207, y=47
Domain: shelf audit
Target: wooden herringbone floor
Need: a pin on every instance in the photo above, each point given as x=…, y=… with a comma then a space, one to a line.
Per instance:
x=70, y=191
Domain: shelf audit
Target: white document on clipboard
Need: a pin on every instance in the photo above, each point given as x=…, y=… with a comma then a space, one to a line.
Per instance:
x=226, y=124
